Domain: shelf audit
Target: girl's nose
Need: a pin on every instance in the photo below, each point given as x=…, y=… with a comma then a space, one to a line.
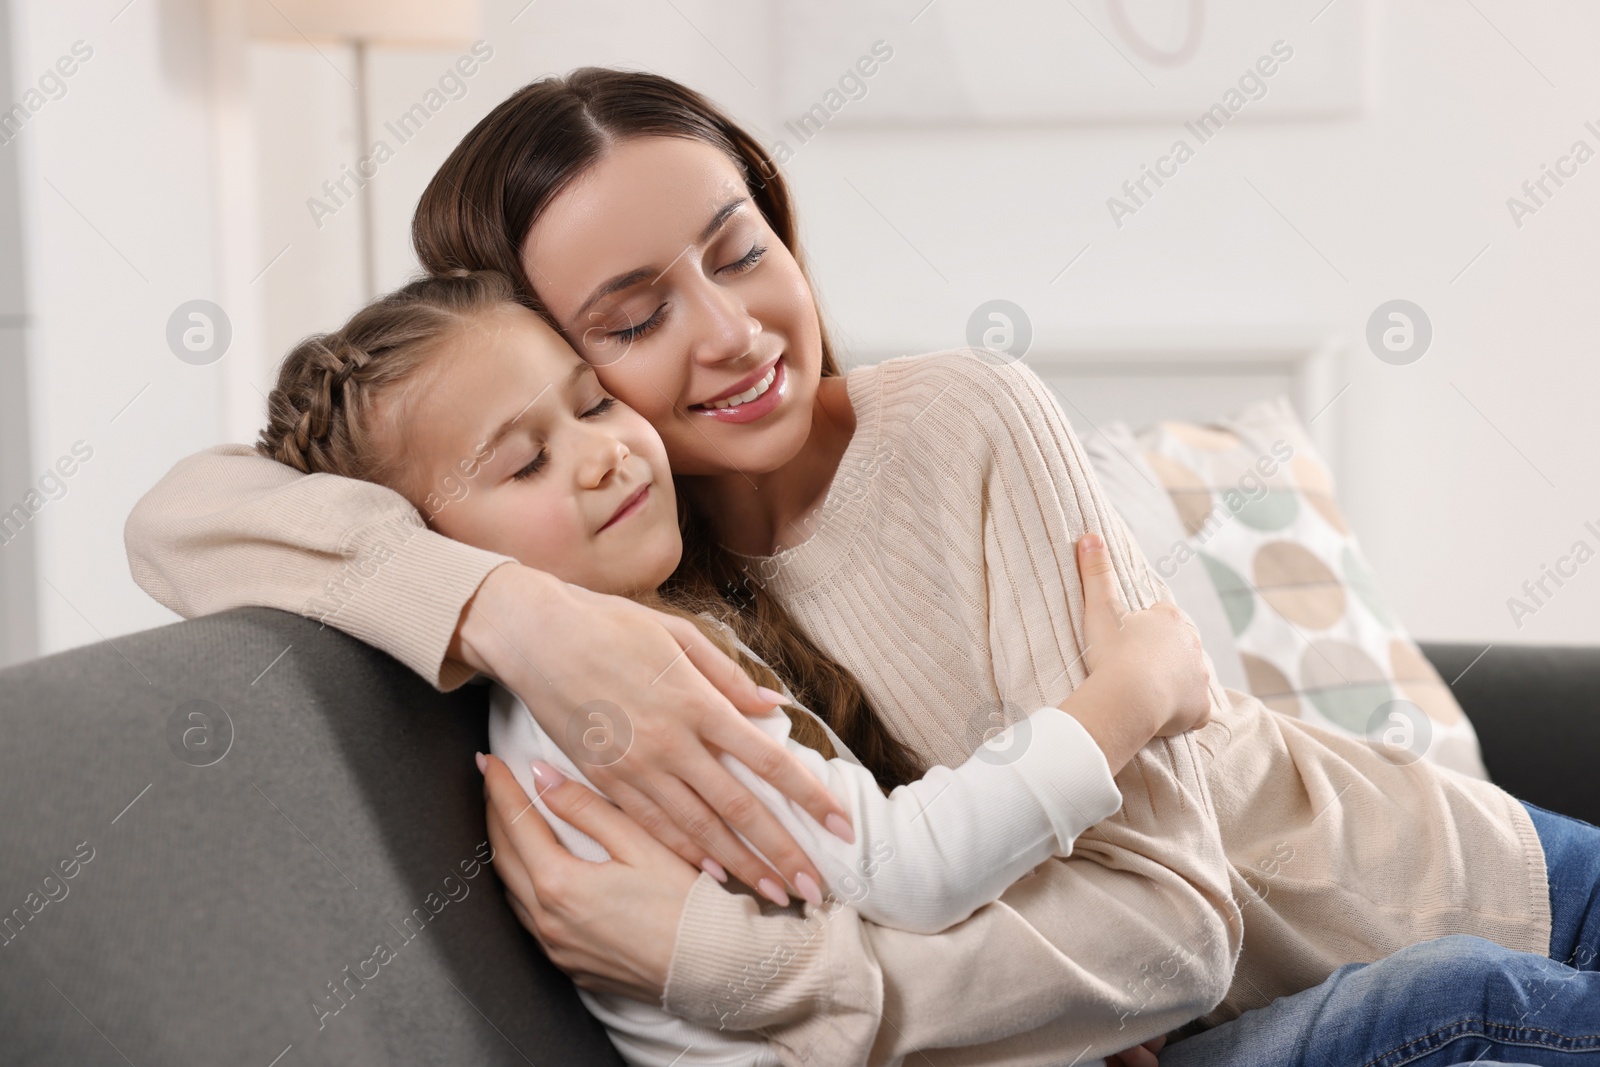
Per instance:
x=604, y=455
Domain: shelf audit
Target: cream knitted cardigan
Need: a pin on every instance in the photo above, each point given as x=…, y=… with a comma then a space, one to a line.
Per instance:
x=943, y=575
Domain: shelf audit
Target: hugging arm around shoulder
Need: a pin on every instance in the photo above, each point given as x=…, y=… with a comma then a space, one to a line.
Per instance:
x=1133, y=935
x=228, y=527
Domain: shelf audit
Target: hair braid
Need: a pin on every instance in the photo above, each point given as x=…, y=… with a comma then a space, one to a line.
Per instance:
x=320, y=414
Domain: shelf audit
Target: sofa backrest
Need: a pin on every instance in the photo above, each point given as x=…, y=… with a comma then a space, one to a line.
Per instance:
x=246, y=833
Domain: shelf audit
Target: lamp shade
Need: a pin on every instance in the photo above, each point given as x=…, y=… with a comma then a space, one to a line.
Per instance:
x=415, y=22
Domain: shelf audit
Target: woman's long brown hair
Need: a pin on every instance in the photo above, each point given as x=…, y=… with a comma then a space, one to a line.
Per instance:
x=475, y=214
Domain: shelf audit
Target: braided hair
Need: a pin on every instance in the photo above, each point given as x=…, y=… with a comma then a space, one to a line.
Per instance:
x=320, y=414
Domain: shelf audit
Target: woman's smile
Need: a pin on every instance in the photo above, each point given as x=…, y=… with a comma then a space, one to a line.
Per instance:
x=748, y=402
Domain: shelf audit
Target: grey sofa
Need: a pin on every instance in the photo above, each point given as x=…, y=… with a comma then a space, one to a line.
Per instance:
x=246, y=839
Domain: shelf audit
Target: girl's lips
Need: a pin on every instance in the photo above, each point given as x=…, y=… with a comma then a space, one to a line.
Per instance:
x=629, y=507
x=754, y=409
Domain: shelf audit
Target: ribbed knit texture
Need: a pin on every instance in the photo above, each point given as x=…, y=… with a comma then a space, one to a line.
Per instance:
x=944, y=576
x=228, y=528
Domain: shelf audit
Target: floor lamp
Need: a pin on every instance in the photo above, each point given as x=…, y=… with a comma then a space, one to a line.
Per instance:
x=360, y=24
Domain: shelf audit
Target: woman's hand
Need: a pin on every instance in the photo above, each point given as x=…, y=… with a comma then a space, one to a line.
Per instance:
x=610, y=926
x=1148, y=676
x=1154, y=654
x=643, y=703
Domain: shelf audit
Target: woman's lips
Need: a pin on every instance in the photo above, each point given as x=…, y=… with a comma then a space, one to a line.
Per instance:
x=629, y=507
x=740, y=386
x=754, y=409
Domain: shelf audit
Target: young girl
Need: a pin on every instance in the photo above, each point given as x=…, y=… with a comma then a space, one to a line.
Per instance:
x=574, y=483
x=659, y=237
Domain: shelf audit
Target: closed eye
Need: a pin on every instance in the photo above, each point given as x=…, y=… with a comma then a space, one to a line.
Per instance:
x=605, y=404
x=533, y=467
x=746, y=261
x=633, y=333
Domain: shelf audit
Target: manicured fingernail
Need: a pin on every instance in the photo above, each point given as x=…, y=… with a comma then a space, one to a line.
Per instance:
x=483, y=763
x=839, y=828
x=545, y=776
x=770, y=696
x=808, y=887
x=773, y=892
x=1092, y=542
x=714, y=869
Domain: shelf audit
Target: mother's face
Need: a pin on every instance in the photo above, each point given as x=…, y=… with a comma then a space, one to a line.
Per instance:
x=662, y=272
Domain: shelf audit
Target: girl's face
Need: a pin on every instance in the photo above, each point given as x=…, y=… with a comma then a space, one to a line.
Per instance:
x=510, y=444
x=666, y=278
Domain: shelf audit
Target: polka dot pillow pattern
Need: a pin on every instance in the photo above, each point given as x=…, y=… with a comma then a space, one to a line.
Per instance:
x=1317, y=638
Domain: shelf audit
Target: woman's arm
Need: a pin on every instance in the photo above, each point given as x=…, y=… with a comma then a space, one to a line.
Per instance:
x=1053, y=972
x=227, y=527
x=1129, y=938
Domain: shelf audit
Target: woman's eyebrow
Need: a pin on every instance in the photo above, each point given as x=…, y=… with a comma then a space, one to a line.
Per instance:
x=634, y=277
x=613, y=285
x=724, y=213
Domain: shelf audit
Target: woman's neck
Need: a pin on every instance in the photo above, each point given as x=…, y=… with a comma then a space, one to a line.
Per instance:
x=761, y=514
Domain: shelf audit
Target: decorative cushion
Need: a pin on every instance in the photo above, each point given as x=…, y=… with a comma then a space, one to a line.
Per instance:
x=1316, y=637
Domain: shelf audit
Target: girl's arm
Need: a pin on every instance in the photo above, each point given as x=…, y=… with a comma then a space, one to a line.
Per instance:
x=228, y=527
x=933, y=851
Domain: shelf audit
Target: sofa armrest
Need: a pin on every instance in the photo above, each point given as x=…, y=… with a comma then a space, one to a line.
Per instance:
x=1537, y=713
x=244, y=833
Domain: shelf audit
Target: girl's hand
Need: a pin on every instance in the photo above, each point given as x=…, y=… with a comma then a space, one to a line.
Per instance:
x=662, y=701
x=1153, y=657
x=610, y=926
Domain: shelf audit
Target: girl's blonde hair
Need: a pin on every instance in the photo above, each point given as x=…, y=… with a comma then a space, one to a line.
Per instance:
x=321, y=418
x=321, y=414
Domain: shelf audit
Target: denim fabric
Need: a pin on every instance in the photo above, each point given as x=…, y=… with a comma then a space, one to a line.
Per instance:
x=1456, y=1000
x=1449, y=1001
x=1572, y=858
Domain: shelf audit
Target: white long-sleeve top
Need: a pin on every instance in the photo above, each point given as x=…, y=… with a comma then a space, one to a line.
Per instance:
x=924, y=858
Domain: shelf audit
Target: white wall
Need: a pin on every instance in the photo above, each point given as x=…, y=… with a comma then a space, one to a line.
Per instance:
x=117, y=200
x=1453, y=505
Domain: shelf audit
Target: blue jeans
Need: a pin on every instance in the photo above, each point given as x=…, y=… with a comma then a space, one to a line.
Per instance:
x=1456, y=1000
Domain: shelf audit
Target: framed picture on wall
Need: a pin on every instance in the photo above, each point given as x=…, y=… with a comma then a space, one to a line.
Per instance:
x=861, y=62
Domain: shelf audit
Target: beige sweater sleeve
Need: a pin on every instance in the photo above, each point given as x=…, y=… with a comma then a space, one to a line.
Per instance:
x=228, y=528
x=1135, y=934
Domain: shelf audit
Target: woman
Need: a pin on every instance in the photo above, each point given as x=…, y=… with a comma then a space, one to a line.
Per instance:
x=613, y=178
